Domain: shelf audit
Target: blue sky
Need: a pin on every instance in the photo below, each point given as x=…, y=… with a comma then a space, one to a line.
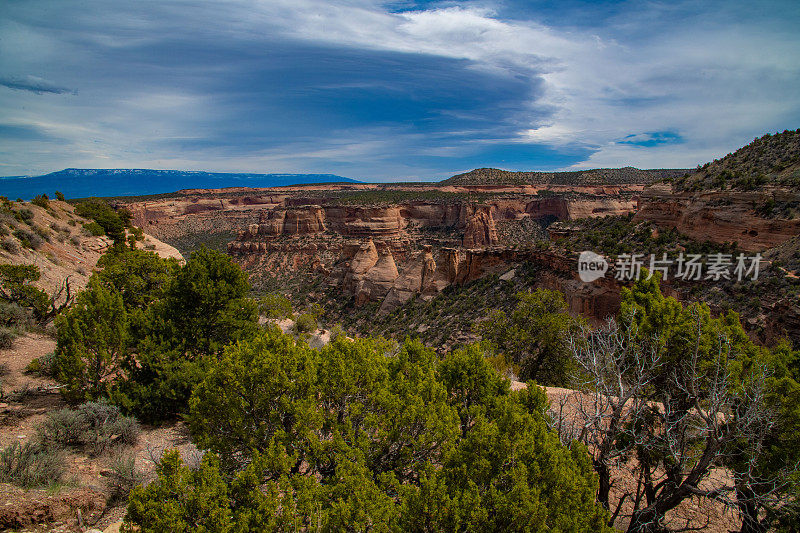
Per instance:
x=383, y=91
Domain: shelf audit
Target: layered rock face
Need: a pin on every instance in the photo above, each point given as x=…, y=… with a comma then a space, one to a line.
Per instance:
x=480, y=231
x=375, y=253
x=389, y=253
x=357, y=221
x=723, y=216
x=304, y=221
x=199, y=212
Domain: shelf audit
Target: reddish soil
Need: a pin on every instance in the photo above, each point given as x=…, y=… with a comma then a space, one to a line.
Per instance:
x=27, y=400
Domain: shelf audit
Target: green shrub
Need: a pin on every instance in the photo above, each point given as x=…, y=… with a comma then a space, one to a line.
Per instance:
x=363, y=436
x=42, y=201
x=24, y=215
x=31, y=465
x=305, y=323
x=275, y=306
x=137, y=232
x=60, y=196
x=92, y=340
x=93, y=427
x=204, y=308
x=105, y=216
x=94, y=229
x=42, y=366
x=7, y=337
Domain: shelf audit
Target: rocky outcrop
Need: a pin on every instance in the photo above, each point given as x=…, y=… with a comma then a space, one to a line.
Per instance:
x=377, y=281
x=358, y=221
x=481, y=230
x=723, y=216
x=296, y=221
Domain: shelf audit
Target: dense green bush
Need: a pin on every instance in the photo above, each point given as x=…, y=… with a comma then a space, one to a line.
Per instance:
x=534, y=336
x=140, y=277
x=204, y=307
x=111, y=221
x=94, y=229
x=142, y=330
x=364, y=435
x=305, y=323
x=17, y=291
x=92, y=340
x=275, y=306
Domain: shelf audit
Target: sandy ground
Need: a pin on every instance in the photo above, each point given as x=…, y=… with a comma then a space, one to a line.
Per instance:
x=84, y=483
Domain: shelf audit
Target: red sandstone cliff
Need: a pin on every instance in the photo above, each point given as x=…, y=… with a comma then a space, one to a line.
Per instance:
x=723, y=216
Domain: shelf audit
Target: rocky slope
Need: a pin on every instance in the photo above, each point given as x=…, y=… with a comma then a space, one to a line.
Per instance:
x=55, y=240
x=773, y=159
x=751, y=196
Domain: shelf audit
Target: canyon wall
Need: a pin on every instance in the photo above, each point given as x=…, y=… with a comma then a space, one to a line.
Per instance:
x=744, y=217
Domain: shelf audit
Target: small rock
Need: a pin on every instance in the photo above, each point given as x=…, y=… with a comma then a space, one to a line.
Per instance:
x=509, y=275
x=113, y=528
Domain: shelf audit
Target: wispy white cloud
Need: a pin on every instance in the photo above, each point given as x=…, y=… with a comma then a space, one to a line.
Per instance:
x=215, y=84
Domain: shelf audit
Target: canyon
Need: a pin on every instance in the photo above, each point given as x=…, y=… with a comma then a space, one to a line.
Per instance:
x=386, y=244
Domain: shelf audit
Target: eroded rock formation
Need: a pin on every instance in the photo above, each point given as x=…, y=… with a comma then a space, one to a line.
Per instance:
x=752, y=219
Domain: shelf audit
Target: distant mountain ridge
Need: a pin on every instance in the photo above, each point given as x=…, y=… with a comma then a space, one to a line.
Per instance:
x=598, y=176
x=82, y=183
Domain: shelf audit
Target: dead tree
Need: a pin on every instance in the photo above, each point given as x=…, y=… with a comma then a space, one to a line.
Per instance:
x=55, y=304
x=665, y=426
x=615, y=373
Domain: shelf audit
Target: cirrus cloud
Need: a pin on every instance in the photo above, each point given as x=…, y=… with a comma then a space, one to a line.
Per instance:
x=402, y=90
